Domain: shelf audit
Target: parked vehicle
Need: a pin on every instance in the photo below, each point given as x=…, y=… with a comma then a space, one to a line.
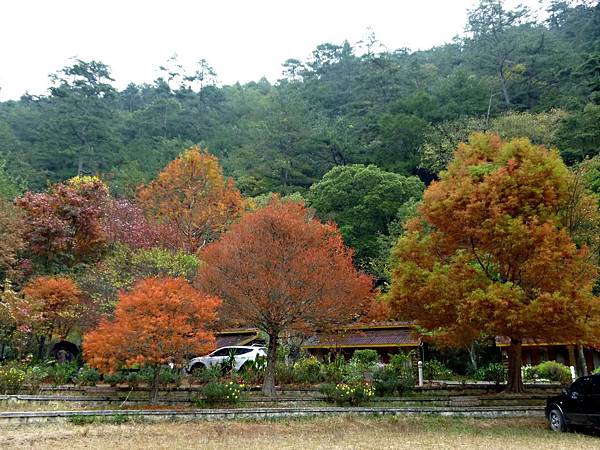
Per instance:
x=239, y=355
x=577, y=405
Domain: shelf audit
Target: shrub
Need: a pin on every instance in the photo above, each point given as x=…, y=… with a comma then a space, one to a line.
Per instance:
x=169, y=376
x=402, y=360
x=87, y=376
x=436, y=370
x=12, y=378
x=206, y=375
x=529, y=373
x=554, y=371
x=385, y=381
x=333, y=371
x=365, y=358
x=216, y=393
x=352, y=394
x=284, y=373
x=495, y=372
x=361, y=366
x=307, y=370
x=252, y=372
x=397, y=377
x=35, y=377
x=596, y=372
x=549, y=370
x=115, y=378
x=62, y=373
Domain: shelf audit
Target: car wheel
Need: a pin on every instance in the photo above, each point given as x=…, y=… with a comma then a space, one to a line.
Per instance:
x=556, y=420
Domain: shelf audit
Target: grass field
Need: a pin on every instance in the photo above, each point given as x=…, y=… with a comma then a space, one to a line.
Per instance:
x=331, y=433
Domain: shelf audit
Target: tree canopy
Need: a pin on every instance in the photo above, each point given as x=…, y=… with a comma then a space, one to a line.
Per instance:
x=280, y=269
x=488, y=252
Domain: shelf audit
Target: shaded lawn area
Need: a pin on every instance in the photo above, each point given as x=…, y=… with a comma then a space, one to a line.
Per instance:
x=333, y=432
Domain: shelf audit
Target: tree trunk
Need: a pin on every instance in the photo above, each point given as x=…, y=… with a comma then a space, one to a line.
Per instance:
x=473, y=356
x=582, y=369
x=515, y=379
x=154, y=387
x=41, y=348
x=269, y=380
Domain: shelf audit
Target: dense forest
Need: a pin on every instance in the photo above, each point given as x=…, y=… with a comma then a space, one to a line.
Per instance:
x=391, y=117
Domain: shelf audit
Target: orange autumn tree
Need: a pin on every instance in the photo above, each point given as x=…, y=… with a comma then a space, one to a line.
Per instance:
x=488, y=253
x=48, y=308
x=160, y=320
x=192, y=196
x=279, y=269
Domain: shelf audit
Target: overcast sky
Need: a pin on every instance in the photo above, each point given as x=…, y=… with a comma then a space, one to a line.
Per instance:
x=242, y=39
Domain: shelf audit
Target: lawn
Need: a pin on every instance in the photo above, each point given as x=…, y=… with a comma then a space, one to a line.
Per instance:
x=331, y=433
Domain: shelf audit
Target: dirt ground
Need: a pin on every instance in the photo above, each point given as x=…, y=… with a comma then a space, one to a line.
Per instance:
x=350, y=432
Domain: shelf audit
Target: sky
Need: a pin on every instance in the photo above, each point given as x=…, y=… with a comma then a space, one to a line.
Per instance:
x=242, y=40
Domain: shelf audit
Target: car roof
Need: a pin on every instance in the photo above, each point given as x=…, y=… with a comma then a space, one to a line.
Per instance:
x=239, y=346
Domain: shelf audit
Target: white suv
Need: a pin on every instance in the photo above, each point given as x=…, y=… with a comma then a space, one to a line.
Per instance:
x=241, y=355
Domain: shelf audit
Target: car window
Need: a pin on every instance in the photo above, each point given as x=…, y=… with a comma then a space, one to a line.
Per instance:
x=582, y=386
x=242, y=351
x=595, y=386
x=221, y=352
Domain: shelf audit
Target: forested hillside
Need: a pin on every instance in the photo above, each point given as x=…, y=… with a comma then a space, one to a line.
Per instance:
x=361, y=103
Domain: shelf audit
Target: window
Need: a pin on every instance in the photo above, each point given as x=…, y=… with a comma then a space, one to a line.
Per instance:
x=242, y=351
x=221, y=352
x=582, y=386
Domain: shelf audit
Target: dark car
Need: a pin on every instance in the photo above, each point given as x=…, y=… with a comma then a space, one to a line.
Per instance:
x=577, y=405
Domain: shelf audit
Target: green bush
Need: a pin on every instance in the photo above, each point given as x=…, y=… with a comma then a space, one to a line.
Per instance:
x=115, y=378
x=217, y=393
x=252, y=372
x=135, y=378
x=12, y=377
x=307, y=370
x=206, y=374
x=596, y=372
x=62, y=373
x=35, y=377
x=495, y=372
x=284, y=373
x=87, y=376
x=169, y=376
x=529, y=373
x=554, y=371
x=385, y=381
x=436, y=370
x=333, y=371
x=352, y=394
x=365, y=358
x=397, y=377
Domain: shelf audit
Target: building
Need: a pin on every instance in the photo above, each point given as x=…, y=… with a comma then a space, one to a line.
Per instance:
x=536, y=352
x=386, y=338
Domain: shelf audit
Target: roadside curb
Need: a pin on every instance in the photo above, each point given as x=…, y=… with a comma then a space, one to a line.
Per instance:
x=269, y=413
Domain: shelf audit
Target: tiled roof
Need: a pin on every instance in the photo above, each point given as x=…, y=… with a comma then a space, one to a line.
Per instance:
x=227, y=339
x=365, y=337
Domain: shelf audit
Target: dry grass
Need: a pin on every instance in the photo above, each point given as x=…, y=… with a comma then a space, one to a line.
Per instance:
x=331, y=433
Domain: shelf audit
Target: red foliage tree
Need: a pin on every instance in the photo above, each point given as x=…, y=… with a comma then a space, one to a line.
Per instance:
x=65, y=225
x=278, y=269
x=161, y=320
x=126, y=223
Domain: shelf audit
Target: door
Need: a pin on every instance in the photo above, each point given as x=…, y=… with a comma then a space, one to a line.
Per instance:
x=592, y=402
x=573, y=407
x=219, y=356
